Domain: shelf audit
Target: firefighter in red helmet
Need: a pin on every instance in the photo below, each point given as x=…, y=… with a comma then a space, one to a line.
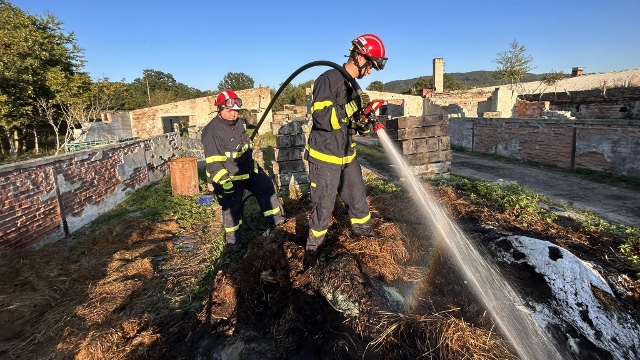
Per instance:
x=330, y=150
x=231, y=169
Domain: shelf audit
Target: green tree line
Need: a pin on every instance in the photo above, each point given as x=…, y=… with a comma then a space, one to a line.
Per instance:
x=45, y=93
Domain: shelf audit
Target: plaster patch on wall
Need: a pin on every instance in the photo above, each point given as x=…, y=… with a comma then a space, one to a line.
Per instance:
x=66, y=186
x=616, y=149
x=509, y=148
x=132, y=161
x=92, y=211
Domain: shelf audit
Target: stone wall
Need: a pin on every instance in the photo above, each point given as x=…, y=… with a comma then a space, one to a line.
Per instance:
x=400, y=104
x=289, y=167
x=46, y=199
x=604, y=145
x=424, y=142
x=459, y=103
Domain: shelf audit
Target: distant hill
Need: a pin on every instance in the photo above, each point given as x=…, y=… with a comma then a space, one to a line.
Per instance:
x=471, y=79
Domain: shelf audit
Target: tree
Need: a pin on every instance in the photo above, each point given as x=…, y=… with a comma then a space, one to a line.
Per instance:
x=512, y=64
x=291, y=95
x=424, y=82
x=376, y=86
x=81, y=100
x=236, y=81
x=450, y=83
x=552, y=78
x=157, y=88
x=30, y=46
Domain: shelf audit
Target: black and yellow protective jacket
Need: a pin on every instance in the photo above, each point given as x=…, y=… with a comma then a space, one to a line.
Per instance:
x=334, y=102
x=228, y=151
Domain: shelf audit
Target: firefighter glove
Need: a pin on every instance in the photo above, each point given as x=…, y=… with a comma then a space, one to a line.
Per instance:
x=362, y=121
x=364, y=100
x=228, y=187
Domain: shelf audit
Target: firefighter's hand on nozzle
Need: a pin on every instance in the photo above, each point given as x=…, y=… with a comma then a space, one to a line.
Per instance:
x=364, y=100
x=210, y=187
x=228, y=187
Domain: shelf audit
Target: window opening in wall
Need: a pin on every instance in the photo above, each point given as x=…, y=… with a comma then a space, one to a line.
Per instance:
x=623, y=109
x=175, y=123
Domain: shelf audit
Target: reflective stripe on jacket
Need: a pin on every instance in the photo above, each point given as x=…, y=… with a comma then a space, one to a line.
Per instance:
x=333, y=105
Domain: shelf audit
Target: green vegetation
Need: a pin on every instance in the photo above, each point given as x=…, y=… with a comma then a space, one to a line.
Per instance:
x=608, y=178
x=155, y=203
x=235, y=81
x=379, y=186
x=512, y=64
x=374, y=156
x=376, y=85
x=291, y=95
x=155, y=88
x=507, y=197
x=630, y=237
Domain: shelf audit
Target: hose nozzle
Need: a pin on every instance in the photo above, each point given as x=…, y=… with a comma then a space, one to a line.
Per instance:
x=377, y=125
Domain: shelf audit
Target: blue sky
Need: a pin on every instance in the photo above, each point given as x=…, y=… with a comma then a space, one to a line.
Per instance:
x=198, y=42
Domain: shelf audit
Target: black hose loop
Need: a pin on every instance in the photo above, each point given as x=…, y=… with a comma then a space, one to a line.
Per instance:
x=344, y=73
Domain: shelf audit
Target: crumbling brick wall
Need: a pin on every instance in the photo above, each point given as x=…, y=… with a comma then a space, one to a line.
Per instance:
x=531, y=109
x=47, y=199
x=601, y=103
x=148, y=122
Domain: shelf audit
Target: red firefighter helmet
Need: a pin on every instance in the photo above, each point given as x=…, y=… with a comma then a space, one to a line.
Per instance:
x=229, y=100
x=371, y=47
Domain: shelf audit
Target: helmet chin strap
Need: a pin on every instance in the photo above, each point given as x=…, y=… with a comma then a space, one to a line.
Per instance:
x=361, y=68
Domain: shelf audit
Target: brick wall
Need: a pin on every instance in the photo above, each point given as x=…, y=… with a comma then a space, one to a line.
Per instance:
x=46, y=199
x=531, y=109
x=603, y=145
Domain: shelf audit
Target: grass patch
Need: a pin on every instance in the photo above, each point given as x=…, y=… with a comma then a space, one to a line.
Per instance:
x=507, y=196
x=630, y=236
x=374, y=156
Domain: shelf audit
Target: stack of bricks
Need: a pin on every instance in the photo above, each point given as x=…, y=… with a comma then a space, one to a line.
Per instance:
x=424, y=142
x=289, y=167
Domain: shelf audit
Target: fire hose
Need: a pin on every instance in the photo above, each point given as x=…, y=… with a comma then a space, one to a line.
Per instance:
x=368, y=112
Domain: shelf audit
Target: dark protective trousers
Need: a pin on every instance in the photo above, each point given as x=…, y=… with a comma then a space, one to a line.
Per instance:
x=326, y=181
x=261, y=186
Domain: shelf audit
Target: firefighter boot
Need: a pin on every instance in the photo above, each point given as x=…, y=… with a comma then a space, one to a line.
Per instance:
x=310, y=258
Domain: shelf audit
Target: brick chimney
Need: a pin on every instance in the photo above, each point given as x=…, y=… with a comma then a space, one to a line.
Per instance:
x=576, y=71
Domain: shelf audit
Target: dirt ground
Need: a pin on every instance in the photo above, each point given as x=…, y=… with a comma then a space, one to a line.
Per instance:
x=135, y=290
